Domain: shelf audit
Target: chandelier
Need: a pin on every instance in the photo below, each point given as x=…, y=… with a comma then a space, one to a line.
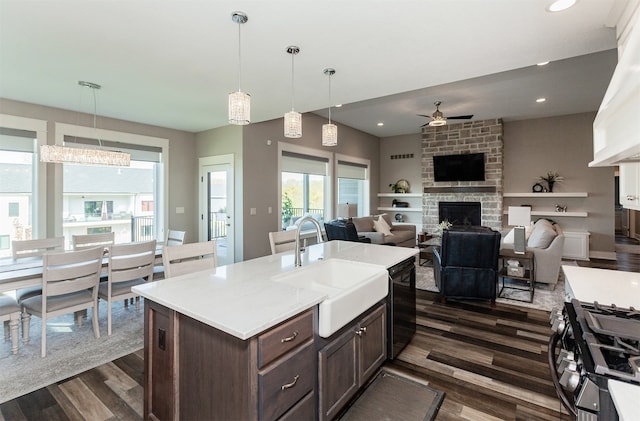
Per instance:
x=239, y=102
x=292, y=119
x=329, y=131
x=60, y=154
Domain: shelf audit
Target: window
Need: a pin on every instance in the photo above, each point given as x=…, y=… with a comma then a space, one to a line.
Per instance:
x=305, y=184
x=353, y=183
x=21, y=180
x=5, y=242
x=14, y=209
x=122, y=200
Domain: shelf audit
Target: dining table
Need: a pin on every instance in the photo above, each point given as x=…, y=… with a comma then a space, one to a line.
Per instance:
x=27, y=271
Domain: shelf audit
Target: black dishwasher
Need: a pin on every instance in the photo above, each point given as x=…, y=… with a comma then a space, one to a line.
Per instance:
x=401, y=303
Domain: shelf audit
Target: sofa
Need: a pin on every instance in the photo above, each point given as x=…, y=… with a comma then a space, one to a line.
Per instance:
x=400, y=234
x=546, y=240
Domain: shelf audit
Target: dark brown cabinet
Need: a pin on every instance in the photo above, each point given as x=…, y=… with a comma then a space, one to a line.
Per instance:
x=349, y=359
x=194, y=371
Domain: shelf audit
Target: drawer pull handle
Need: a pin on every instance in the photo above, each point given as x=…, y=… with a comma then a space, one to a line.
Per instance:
x=289, y=338
x=290, y=385
x=360, y=331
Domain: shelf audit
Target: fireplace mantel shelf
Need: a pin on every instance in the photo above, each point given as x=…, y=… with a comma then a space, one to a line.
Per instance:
x=461, y=189
x=399, y=194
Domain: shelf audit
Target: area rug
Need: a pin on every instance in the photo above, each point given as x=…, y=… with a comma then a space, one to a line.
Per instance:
x=393, y=396
x=545, y=296
x=70, y=349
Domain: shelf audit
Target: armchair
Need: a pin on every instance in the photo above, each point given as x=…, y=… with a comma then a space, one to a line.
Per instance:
x=343, y=229
x=466, y=266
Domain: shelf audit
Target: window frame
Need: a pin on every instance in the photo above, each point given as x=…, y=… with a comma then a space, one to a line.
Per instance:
x=39, y=187
x=329, y=185
x=367, y=188
x=63, y=129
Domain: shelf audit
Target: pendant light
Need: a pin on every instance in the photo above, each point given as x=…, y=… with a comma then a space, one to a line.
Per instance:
x=292, y=119
x=329, y=131
x=239, y=102
x=60, y=154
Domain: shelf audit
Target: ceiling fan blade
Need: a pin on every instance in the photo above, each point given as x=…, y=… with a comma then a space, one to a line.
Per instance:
x=426, y=124
x=423, y=115
x=461, y=117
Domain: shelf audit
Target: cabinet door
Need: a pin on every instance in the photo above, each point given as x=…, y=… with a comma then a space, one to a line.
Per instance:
x=373, y=349
x=337, y=374
x=159, y=357
x=629, y=188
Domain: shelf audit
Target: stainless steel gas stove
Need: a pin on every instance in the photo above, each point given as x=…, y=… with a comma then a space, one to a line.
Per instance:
x=597, y=343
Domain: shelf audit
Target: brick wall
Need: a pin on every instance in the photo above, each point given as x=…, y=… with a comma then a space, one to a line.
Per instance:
x=469, y=137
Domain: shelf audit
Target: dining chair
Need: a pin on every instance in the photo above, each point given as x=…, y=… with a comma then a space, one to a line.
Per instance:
x=175, y=238
x=33, y=248
x=92, y=240
x=10, y=316
x=188, y=258
x=69, y=284
x=129, y=265
x=282, y=241
x=30, y=248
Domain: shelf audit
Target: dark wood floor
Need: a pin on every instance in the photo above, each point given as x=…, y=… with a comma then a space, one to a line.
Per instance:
x=490, y=362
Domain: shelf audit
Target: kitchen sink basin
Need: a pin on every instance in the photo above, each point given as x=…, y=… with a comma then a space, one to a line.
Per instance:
x=351, y=288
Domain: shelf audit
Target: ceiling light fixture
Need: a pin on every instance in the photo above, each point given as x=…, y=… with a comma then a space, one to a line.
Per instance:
x=381, y=124
x=560, y=5
x=438, y=117
x=543, y=63
x=239, y=102
x=61, y=154
x=541, y=99
x=329, y=131
x=292, y=119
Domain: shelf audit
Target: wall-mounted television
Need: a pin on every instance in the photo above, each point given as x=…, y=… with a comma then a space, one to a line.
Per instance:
x=462, y=167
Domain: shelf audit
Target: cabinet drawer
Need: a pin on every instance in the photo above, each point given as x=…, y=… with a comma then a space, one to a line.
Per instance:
x=286, y=382
x=305, y=410
x=284, y=338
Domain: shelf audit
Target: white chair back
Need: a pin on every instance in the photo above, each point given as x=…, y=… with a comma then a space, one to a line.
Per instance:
x=92, y=240
x=175, y=238
x=30, y=248
x=189, y=258
x=282, y=241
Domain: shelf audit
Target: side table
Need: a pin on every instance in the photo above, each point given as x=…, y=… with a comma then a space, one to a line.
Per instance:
x=425, y=243
x=525, y=279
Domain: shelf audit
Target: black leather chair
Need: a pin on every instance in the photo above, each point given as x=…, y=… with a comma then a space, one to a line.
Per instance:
x=343, y=229
x=466, y=266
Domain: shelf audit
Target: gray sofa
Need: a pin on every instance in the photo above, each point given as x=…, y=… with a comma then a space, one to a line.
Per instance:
x=547, y=259
x=402, y=235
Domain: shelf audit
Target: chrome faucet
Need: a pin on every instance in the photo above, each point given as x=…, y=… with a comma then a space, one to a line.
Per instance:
x=301, y=222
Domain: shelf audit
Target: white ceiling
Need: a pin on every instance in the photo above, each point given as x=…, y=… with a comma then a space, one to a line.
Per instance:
x=172, y=63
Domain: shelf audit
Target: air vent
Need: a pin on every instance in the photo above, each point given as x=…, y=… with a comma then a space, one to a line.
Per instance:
x=402, y=156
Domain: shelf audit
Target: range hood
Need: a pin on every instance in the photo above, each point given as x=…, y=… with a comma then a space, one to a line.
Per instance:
x=616, y=128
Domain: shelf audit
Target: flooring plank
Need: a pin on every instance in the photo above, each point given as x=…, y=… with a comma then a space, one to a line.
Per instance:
x=85, y=400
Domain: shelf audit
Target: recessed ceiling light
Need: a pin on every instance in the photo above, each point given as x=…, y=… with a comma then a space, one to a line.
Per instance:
x=338, y=105
x=541, y=99
x=543, y=63
x=381, y=124
x=560, y=5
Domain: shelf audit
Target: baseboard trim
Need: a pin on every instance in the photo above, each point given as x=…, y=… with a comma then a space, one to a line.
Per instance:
x=604, y=255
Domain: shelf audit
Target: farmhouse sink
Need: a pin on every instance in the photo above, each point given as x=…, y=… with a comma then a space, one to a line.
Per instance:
x=351, y=288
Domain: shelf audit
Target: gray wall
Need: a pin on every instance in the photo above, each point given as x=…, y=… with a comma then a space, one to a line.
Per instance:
x=182, y=174
x=563, y=144
x=261, y=176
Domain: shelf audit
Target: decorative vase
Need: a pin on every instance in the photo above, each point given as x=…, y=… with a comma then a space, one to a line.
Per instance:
x=550, y=183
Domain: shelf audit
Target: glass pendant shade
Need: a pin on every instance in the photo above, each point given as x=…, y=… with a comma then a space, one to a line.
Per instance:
x=293, y=125
x=64, y=155
x=329, y=135
x=239, y=108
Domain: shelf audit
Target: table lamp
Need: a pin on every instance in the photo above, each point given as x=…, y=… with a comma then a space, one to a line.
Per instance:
x=347, y=210
x=520, y=216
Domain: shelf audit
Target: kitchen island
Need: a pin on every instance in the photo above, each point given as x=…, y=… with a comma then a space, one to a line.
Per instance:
x=233, y=343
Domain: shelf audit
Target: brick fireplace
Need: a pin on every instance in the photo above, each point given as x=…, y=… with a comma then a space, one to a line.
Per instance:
x=469, y=137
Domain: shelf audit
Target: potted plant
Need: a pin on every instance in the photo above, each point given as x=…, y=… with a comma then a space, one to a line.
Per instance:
x=551, y=178
x=287, y=209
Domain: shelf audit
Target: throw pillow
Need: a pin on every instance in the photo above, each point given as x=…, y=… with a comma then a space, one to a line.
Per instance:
x=381, y=227
x=542, y=235
x=387, y=218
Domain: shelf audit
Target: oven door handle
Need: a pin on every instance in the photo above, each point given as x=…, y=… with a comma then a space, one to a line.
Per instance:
x=553, y=343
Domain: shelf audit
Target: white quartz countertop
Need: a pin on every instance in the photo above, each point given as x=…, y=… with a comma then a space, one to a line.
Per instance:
x=241, y=299
x=602, y=285
x=626, y=398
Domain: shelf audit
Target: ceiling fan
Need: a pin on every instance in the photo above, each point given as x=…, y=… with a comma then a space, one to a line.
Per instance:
x=438, y=119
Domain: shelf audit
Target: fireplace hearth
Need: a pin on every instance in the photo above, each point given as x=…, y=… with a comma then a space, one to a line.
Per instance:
x=460, y=213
